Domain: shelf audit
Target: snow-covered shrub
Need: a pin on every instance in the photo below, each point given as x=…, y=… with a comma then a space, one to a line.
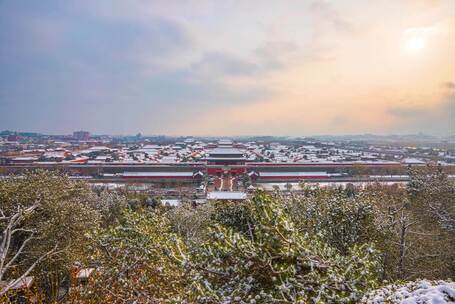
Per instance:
x=277, y=263
x=341, y=219
x=135, y=261
x=235, y=215
x=190, y=222
x=433, y=193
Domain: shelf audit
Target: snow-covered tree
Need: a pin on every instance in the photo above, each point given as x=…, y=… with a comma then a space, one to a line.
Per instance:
x=432, y=191
x=341, y=219
x=278, y=263
x=44, y=220
x=137, y=261
x=14, y=240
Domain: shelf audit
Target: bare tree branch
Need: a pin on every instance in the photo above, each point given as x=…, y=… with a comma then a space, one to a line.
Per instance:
x=9, y=258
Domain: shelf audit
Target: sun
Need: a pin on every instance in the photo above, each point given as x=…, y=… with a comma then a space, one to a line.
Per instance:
x=415, y=43
x=416, y=39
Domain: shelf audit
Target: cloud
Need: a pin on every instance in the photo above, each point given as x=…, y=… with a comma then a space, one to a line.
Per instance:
x=161, y=66
x=218, y=64
x=94, y=71
x=407, y=113
x=329, y=14
x=269, y=57
x=78, y=36
x=436, y=119
x=276, y=54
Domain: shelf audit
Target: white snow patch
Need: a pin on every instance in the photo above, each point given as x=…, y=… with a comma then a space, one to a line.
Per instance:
x=418, y=292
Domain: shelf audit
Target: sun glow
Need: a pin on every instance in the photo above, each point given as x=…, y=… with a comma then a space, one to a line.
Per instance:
x=415, y=43
x=416, y=38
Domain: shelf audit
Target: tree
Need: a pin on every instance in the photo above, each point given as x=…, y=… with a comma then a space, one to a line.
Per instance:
x=432, y=202
x=432, y=191
x=108, y=205
x=340, y=218
x=52, y=215
x=234, y=215
x=12, y=251
x=191, y=222
x=416, y=246
x=136, y=261
x=278, y=264
x=288, y=186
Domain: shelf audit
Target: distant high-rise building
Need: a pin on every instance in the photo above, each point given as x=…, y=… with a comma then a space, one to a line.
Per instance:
x=13, y=137
x=81, y=135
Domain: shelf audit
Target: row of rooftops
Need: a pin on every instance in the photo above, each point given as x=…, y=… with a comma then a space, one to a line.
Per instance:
x=163, y=174
x=198, y=151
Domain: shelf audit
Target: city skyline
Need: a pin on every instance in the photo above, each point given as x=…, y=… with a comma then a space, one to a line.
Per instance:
x=56, y=134
x=203, y=68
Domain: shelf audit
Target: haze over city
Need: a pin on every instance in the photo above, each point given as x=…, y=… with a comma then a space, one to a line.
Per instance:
x=228, y=68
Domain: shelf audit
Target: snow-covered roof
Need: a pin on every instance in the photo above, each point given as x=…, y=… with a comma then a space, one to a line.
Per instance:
x=170, y=202
x=98, y=148
x=226, y=195
x=225, y=158
x=25, y=158
x=293, y=174
x=54, y=154
x=225, y=142
x=412, y=161
x=157, y=174
x=151, y=147
x=225, y=151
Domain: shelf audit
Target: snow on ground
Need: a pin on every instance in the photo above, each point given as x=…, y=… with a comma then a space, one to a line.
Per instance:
x=418, y=292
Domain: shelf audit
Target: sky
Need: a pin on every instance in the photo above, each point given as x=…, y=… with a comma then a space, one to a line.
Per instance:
x=200, y=67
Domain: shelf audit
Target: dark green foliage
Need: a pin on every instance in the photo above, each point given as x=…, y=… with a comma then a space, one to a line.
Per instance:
x=278, y=263
x=432, y=192
x=64, y=213
x=340, y=218
x=235, y=215
x=137, y=259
